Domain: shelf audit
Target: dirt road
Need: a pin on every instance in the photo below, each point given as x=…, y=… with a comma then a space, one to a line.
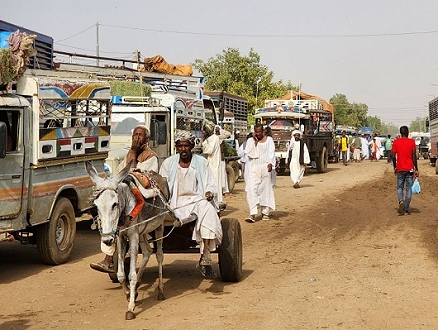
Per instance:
x=335, y=256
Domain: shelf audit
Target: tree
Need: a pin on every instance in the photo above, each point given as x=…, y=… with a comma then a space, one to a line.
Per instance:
x=236, y=74
x=350, y=114
x=419, y=125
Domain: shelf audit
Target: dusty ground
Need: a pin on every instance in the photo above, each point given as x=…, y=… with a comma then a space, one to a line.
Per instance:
x=335, y=256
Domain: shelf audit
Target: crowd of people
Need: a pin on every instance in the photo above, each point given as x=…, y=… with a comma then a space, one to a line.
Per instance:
x=197, y=183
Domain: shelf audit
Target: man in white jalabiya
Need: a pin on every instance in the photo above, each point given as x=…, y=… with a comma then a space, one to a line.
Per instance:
x=365, y=148
x=260, y=153
x=223, y=134
x=211, y=147
x=192, y=186
x=300, y=157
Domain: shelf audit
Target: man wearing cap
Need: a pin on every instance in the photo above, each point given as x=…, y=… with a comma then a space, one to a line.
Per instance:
x=144, y=159
x=299, y=158
x=192, y=186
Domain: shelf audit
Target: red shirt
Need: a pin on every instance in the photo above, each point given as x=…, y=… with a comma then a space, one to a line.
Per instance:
x=404, y=147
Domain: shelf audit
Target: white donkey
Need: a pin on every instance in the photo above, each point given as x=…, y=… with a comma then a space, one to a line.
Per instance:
x=114, y=200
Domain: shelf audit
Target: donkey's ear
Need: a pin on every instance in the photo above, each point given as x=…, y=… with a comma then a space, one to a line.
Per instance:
x=91, y=170
x=123, y=173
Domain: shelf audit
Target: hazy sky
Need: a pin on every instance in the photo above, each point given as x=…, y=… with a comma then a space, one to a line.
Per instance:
x=380, y=52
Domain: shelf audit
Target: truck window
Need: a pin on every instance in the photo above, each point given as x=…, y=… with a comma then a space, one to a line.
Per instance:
x=10, y=118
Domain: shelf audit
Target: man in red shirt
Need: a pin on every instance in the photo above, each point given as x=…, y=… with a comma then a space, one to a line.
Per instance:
x=404, y=159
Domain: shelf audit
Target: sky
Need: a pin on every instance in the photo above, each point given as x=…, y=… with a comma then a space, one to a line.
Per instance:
x=380, y=53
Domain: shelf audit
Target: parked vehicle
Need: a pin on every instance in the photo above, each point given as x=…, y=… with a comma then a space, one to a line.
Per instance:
x=283, y=116
x=49, y=126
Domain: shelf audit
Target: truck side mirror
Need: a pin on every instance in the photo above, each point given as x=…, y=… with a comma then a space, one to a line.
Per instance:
x=3, y=139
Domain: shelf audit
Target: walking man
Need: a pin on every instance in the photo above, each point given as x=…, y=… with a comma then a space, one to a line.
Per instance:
x=344, y=147
x=260, y=152
x=300, y=157
x=404, y=160
x=357, y=145
x=388, y=147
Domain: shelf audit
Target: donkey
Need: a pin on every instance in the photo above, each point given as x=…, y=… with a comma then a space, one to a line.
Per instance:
x=114, y=199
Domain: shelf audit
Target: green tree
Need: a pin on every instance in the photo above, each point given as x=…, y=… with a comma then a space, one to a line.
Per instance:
x=419, y=124
x=241, y=75
x=350, y=114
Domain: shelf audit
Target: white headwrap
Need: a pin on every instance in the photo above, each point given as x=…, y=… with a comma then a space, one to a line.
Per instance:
x=184, y=135
x=297, y=132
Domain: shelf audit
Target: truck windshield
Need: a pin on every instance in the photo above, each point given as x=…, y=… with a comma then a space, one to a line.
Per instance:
x=123, y=124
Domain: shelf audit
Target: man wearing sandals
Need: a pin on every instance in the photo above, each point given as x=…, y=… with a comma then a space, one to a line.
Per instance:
x=192, y=187
x=260, y=162
x=143, y=158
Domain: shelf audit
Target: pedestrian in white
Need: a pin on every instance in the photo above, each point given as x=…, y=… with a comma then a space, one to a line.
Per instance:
x=300, y=157
x=223, y=134
x=243, y=158
x=211, y=147
x=365, y=148
x=260, y=152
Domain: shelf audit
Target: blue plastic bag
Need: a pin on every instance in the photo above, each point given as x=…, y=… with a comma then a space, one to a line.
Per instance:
x=416, y=189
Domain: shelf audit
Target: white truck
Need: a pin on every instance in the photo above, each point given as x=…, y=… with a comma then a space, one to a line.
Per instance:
x=50, y=124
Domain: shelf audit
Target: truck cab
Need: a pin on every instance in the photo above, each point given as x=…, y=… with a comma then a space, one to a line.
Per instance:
x=49, y=126
x=284, y=116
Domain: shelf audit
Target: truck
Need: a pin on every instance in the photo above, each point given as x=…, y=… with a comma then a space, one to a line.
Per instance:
x=284, y=115
x=50, y=124
x=175, y=103
x=433, y=130
x=234, y=111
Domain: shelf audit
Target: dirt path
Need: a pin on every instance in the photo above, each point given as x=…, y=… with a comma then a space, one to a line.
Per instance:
x=335, y=256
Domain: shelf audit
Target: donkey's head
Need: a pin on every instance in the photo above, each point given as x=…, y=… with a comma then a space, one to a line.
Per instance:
x=107, y=200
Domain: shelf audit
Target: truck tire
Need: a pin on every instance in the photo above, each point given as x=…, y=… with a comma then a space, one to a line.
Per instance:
x=230, y=251
x=322, y=161
x=55, y=238
x=231, y=178
x=236, y=167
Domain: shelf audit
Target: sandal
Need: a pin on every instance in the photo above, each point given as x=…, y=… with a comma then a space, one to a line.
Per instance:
x=251, y=219
x=206, y=271
x=102, y=267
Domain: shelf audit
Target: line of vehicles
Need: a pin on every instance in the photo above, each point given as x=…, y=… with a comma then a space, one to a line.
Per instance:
x=53, y=120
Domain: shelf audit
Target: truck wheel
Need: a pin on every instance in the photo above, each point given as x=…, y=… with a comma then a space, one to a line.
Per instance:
x=231, y=179
x=321, y=164
x=236, y=168
x=55, y=238
x=230, y=251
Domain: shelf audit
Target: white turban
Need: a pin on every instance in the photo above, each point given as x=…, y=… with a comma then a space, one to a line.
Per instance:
x=184, y=135
x=297, y=132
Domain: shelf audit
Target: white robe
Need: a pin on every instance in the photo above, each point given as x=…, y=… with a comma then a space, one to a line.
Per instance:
x=365, y=148
x=188, y=194
x=296, y=169
x=243, y=160
x=212, y=148
x=259, y=188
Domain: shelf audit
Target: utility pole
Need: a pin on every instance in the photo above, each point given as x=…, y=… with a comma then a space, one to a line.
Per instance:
x=97, y=44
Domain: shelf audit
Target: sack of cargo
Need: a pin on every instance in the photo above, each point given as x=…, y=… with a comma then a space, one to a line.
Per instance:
x=159, y=64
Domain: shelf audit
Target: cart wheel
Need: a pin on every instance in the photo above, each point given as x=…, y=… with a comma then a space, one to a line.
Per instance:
x=230, y=251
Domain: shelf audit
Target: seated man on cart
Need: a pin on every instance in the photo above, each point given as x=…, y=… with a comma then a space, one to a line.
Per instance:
x=192, y=187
